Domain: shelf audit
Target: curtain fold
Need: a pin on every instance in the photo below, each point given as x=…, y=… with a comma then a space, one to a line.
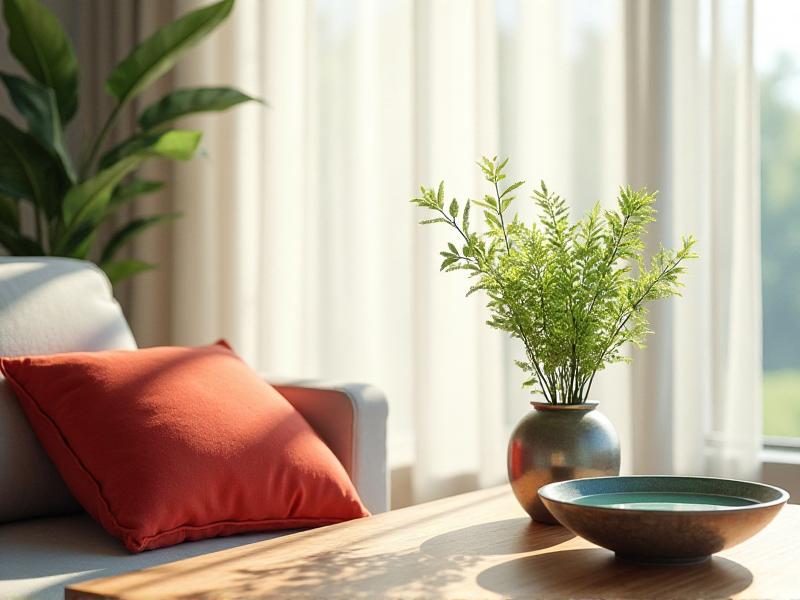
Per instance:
x=298, y=243
x=694, y=136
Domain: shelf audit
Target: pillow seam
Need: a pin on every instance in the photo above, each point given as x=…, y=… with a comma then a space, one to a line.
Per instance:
x=63, y=438
x=297, y=521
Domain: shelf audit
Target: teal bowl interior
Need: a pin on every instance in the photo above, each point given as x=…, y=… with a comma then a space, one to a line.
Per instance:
x=668, y=519
x=667, y=493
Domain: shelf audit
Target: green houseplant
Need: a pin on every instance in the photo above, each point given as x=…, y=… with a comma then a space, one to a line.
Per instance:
x=568, y=291
x=574, y=294
x=71, y=199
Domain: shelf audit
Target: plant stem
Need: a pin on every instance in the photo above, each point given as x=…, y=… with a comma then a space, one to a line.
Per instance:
x=547, y=390
x=544, y=383
x=546, y=387
x=101, y=138
x=609, y=264
x=500, y=213
x=629, y=313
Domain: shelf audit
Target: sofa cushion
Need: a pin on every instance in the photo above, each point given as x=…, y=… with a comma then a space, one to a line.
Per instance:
x=38, y=557
x=166, y=444
x=47, y=305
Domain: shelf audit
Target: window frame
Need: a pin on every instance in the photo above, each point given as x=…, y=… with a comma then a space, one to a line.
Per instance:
x=780, y=464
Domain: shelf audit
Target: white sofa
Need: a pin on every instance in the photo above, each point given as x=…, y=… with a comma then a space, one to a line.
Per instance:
x=52, y=305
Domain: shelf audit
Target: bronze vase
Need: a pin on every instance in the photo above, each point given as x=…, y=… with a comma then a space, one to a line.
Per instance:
x=556, y=442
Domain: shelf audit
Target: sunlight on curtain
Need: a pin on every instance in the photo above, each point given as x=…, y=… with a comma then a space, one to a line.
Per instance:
x=693, y=135
x=299, y=245
x=563, y=107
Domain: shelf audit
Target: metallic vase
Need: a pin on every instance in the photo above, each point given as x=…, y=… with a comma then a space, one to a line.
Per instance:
x=555, y=442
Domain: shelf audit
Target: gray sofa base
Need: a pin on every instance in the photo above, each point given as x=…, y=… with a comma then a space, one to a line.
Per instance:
x=38, y=557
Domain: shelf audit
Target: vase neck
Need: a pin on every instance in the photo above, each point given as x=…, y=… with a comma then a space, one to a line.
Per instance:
x=545, y=406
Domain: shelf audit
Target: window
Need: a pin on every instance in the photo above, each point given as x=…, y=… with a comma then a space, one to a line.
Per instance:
x=778, y=68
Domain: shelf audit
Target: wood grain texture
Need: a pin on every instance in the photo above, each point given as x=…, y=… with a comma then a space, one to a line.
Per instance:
x=477, y=545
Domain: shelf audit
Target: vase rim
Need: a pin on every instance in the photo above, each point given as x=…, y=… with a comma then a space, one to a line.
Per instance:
x=585, y=406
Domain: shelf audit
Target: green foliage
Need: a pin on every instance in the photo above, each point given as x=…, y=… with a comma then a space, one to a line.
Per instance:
x=38, y=105
x=29, y=171
x=39, y=43
x=159, y=53
x=128, y=231
x=177, y=144
x=35, y=165
x=572, y=293
x=87, y=201
x=134, y=188
x=122, y=269
x=189, y=101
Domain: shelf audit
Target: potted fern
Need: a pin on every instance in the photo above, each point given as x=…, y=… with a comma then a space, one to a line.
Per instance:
x=72, y=199
x=574, y=294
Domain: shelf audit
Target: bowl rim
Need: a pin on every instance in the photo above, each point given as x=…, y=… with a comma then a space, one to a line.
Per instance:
x=782, y=499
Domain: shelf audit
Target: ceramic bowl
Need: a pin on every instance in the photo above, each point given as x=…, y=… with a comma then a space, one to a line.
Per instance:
x=663, y=519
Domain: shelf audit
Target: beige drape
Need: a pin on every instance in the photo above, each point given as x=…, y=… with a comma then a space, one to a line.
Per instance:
x=299, y=246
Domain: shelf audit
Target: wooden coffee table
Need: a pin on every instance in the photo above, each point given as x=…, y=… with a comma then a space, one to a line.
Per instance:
x=477, y=545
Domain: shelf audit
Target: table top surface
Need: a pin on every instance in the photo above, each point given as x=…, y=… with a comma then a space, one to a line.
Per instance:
x=476, y=545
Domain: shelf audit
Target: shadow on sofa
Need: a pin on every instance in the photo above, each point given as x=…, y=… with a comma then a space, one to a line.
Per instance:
x=38, y=557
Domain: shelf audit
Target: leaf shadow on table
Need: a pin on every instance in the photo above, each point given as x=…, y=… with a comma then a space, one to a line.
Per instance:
x=508, y=536
x=594, y=572
x=348, y=574
x=355, y=572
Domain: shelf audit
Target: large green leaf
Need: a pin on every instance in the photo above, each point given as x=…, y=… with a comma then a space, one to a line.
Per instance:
x=121, y=269
x=178, y=144
x=137, y=187
x=126, y=233
x=189, y=101
x=37, y=104
x=18, y=244
x=158, y=53
x=27, y=170
x=37, y=40
x=87, y=201
x=76, y=241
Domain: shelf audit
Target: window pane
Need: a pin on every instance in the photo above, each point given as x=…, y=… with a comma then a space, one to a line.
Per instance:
x=778, y=65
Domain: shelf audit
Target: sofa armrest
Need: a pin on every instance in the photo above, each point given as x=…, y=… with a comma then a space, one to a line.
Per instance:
x=351, y=419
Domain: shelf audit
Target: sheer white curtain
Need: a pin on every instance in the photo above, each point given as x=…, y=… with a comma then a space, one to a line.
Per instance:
x=300, y=246
x=694, y=135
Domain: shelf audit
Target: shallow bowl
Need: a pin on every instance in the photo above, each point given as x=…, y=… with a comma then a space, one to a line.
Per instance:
x=663, y=519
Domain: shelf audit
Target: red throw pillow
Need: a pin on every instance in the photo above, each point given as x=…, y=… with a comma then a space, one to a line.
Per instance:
x=163, y=445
